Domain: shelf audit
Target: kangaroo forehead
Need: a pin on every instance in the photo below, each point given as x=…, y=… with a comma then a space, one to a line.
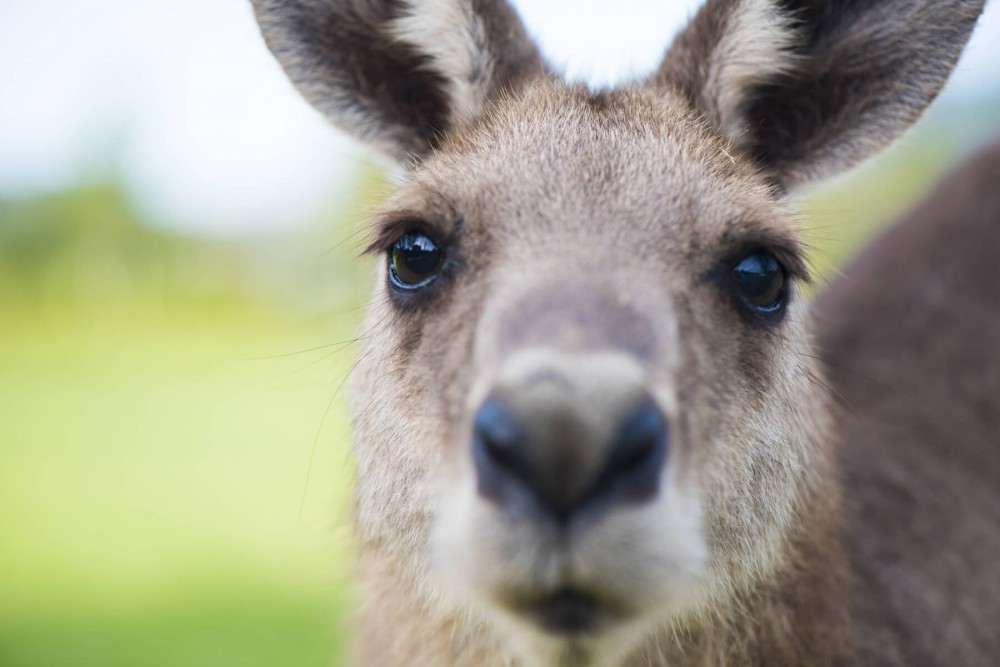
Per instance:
x=554, y=154
x=570, y=125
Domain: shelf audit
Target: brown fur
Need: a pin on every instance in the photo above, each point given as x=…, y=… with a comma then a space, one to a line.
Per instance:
x=853, y=75
x=911, y=334
x=590, y=239
x=346, y=59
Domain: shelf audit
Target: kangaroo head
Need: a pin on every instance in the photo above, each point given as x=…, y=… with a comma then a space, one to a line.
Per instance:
x=587, y=408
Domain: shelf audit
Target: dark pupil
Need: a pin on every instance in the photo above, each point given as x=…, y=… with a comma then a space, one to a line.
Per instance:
x=760, y=279
x=415, y=258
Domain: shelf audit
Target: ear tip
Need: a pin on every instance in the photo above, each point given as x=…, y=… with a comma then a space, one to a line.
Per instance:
x=263, y=5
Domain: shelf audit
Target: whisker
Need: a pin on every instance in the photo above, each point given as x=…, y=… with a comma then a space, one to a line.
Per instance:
x=339, y=344
x=319, y=432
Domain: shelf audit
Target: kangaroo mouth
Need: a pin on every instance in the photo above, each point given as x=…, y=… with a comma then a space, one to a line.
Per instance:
x=570, y=612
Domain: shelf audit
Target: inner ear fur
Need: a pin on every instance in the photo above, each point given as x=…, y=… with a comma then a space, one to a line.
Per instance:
x=808, y=88
x=398, y=74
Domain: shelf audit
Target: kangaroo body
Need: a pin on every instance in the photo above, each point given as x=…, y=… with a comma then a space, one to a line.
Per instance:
x=911, y=337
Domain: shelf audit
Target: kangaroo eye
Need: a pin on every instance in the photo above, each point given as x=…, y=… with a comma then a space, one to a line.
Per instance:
x=760, y=280
x=414, y=260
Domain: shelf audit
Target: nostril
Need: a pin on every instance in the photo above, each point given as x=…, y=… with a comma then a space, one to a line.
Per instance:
x=637, y=454
x=495, y=444
x=497, y=430
x=639, y=437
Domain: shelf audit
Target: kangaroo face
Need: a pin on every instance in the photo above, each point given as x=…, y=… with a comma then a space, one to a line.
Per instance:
x=586, y=413
x=589, y=310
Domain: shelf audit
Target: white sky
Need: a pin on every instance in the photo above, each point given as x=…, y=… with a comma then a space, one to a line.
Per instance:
x=182, y=97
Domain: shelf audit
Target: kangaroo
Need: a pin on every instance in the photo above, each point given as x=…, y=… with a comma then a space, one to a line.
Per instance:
x=591, y=427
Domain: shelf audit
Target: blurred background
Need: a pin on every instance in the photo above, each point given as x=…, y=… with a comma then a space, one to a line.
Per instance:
x=179, y=291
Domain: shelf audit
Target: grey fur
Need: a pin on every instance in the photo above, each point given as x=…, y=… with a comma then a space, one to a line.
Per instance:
x=592, y=238
x=910, y=333
x=857, y=74
x=345, y=59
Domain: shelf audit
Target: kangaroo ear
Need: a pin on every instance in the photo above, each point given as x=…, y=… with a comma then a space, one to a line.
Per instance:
x=808, y=88
x=398, y=74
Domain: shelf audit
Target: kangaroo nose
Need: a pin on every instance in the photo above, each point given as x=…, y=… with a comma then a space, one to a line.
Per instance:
x=545, y=459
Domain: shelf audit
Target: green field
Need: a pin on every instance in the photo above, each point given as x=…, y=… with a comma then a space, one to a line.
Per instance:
x=154, y=501
x=174, y=466
x=173, y=458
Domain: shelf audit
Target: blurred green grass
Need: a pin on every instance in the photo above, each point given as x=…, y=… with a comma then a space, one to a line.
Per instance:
x=153, y=484
x=174, y=474
x=173, y=469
